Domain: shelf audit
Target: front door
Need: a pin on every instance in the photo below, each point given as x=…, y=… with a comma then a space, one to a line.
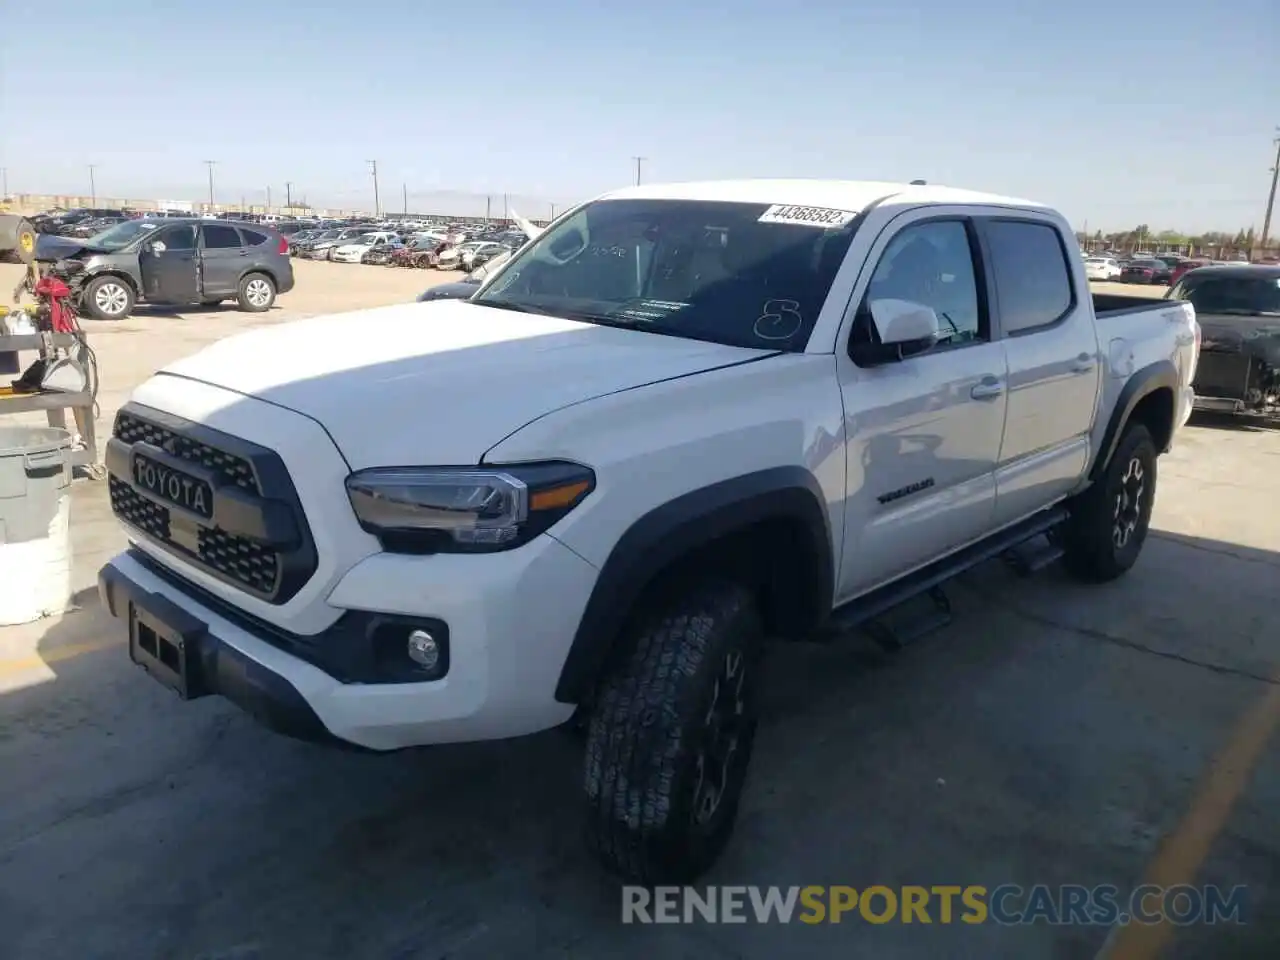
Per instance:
x=168, y=263
x=223, y=258
x=923, y=433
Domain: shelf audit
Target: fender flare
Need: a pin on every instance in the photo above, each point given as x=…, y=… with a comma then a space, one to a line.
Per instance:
x=674, y=529
x=1159, y=375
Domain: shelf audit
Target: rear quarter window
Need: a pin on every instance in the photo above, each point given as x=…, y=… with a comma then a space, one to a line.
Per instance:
x=253, y=238
x=1033, y=279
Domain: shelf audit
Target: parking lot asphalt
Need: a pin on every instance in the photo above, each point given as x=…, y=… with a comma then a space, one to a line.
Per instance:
x=1054, y=734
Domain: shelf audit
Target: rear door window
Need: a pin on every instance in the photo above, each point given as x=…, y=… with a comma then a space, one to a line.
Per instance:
x=1033, y=279
x=220, y=237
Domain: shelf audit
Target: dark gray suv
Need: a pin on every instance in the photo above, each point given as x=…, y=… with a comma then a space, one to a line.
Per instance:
x=173, y=261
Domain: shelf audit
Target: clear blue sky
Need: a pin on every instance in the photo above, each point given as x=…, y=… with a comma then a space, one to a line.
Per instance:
x=1118, y=113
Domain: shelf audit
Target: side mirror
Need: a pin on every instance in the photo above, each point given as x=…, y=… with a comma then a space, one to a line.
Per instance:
x=157, y=248
x=906, y=329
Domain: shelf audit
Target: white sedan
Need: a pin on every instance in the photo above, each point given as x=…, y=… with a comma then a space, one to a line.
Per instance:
x=1101, y=268
x=354, y=250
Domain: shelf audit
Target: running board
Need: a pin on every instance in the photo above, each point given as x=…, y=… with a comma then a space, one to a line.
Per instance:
x=869, y=611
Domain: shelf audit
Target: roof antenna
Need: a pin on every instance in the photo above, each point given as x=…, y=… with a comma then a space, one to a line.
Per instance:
x=919, y=183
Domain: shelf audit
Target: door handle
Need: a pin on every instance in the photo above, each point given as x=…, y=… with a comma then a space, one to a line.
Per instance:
x=989, y=389
x=1083, y=364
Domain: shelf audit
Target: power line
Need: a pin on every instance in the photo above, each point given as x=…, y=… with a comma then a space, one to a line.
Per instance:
x=1271, y=197
x=210, y=164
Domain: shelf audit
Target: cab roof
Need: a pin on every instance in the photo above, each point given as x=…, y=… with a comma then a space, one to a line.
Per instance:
x=855, y=196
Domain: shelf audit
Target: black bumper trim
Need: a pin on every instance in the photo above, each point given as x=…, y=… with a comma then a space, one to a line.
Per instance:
x=223, y=670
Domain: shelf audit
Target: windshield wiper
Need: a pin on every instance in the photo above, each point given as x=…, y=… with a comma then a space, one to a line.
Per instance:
x=514, y=306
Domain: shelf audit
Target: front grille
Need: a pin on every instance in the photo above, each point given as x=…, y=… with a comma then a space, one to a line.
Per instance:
x=1223, y=375
x=237, y=559
x=273, y=573
x=230, y=468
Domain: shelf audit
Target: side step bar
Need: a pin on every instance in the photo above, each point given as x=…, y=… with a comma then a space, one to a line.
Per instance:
x=869, y=612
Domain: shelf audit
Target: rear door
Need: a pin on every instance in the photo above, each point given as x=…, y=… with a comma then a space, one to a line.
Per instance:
x=1044, y=317
x=223, y=258
x=168, y=264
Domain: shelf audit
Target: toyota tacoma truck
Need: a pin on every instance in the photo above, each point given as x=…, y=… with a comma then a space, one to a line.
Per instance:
x=682, y=421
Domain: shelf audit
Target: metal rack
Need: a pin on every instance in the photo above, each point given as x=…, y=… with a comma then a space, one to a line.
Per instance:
x=56, y=404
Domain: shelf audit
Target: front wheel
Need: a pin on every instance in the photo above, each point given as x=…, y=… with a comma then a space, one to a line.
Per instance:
x=670, y=736
x=257, y=293
x=108, y=298
x=1109, y=521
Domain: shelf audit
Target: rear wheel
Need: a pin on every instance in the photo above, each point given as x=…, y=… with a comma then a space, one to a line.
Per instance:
x=257, y=293
x=108, y=298
x=670, y=736
x=1109, y=521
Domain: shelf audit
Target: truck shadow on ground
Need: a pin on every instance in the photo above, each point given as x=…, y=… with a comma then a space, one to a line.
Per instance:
x=1051, y=733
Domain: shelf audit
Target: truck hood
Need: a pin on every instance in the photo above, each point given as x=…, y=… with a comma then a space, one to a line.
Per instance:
x=439, y=383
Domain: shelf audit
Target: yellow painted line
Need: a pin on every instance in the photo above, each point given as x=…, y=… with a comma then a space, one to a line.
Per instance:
x=1185, y=850
x=18, y=665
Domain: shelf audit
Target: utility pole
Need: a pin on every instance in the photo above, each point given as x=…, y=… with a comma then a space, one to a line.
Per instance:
x=268, y=198
x=638, y=160
x=377, y=205
x=1271, y=198
x=405, y=188
x=93, y=187
x=505, y=215
x=553, y=211
x=288, y=194
x=488, y=208
x=4, y=181
x=210, y=164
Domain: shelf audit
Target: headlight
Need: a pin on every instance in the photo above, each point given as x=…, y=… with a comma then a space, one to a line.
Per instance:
x=465, y=509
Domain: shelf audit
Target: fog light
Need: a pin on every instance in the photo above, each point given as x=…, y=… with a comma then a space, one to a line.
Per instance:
x=423, y=649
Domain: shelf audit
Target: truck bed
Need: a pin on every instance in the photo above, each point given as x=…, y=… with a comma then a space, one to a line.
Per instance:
x=1107, y=305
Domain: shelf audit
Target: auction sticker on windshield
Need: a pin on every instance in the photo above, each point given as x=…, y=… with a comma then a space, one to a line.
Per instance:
x=824, y=217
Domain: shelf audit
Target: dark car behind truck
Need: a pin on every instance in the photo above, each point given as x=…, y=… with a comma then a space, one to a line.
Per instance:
x=174, y=261
x=1239, y=311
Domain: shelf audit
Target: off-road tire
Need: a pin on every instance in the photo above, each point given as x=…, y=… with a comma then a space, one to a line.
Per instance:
x=248, y=296
x=650, y=816
x=108, y=288
x=1109, y=521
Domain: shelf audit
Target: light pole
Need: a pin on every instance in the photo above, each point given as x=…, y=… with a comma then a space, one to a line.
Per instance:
x=4, y=181
x=93, y=187
x=268, y=198
x=638, y=160
x=377, y=206
x=288, y=194
x=210, y=164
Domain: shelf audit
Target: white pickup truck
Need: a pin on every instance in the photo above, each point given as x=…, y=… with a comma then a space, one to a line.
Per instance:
x=682, y=420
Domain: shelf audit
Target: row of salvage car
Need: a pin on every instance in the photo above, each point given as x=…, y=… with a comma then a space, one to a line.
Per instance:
x=423, y=250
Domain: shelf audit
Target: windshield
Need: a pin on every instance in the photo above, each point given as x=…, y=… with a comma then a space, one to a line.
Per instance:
x=744, y=274
x=1249, y=296
x=121, y=235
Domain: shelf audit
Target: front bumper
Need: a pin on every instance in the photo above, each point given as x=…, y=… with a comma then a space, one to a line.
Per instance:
x=507, y=621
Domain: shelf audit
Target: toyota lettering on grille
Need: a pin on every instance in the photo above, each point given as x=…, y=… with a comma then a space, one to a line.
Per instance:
x=173, y=486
